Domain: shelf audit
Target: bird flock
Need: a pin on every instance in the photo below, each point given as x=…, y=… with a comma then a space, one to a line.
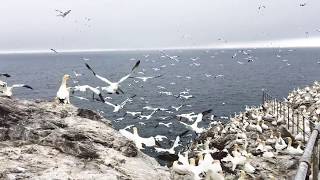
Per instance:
x=255, y=144
x=256, y=136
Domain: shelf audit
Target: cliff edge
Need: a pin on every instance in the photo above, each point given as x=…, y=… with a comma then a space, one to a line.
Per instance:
x=41, y=140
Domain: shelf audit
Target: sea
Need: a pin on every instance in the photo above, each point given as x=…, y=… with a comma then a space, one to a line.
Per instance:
x=222, y=80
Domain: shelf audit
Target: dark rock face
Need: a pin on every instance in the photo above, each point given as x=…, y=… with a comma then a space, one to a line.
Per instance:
x=37, y=129
x=89, y=114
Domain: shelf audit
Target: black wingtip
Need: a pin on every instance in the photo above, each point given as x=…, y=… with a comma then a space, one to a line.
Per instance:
x=136, y=65
x=87, y=65
x=5, y=74
x=27, y=86
x=101, y=98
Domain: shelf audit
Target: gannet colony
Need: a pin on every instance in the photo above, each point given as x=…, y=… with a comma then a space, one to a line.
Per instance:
x=254, y=144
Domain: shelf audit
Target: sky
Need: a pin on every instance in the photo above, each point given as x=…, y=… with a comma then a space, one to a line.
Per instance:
x=156, y=24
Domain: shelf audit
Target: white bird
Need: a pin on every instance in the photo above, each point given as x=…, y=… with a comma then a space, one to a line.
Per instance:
x=118, y=107
x=7, y=90
x=170, y=57
x=185, y=96
x=133, y=113
x=170, y=150
x=84, y=88
x=167, y=125
x=147, y=117
x=194, y=126
x=177, y=108
x=145, y=78
x=137, y=139
x=219, y=75
x=63, y=94
x=113, y=87
x=77, y=74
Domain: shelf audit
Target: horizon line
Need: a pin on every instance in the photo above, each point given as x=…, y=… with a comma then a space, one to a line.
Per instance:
x=285, y=43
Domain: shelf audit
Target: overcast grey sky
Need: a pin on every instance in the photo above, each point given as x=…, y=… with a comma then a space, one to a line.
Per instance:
x=125, y=24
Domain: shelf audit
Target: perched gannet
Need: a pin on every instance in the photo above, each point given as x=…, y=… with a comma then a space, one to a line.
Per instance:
x=291, y=150
x=212, y=175
x=7, y=90
x=84, y=88
x=63, y=94
x=137, y=139
x=113, y=87
x=171, y=150
x=280, y=143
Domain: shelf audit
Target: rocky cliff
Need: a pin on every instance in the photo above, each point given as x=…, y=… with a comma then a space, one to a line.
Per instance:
x=41, y=140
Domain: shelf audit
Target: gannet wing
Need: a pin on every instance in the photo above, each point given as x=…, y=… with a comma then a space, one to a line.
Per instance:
x=127, y=76
x=21, y=85
x=124, y=78
x=127, y=134
x=5, y=74
x=176, y=142
x=110, y=104
x=99, y=77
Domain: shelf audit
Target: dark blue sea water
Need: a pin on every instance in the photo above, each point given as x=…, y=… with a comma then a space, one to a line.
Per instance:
x=276, y=70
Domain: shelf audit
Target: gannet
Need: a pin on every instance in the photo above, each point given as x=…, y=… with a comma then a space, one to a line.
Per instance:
x=145, y=78
x=194, y=127
x=7, y=90
x=63, y=14
x=113, y=87
x=53, y=50
x=84, y=88
x=63, y=94
x=137, y=139
x=118, y=107
x=171, y=150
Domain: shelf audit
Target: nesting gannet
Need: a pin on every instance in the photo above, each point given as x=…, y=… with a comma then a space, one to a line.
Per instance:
x=84, y=88
x=171, y=150
x=118, y=107
x=63, y=14
x=113, y=87
x=280, y=143
x=7, y=90
x=291, y=150
x=63, y=94
x=137, y=139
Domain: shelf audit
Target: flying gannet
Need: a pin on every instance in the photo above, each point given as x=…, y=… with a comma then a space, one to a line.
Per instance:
x=63, y=14
x=113, y=87
x=84, y=88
